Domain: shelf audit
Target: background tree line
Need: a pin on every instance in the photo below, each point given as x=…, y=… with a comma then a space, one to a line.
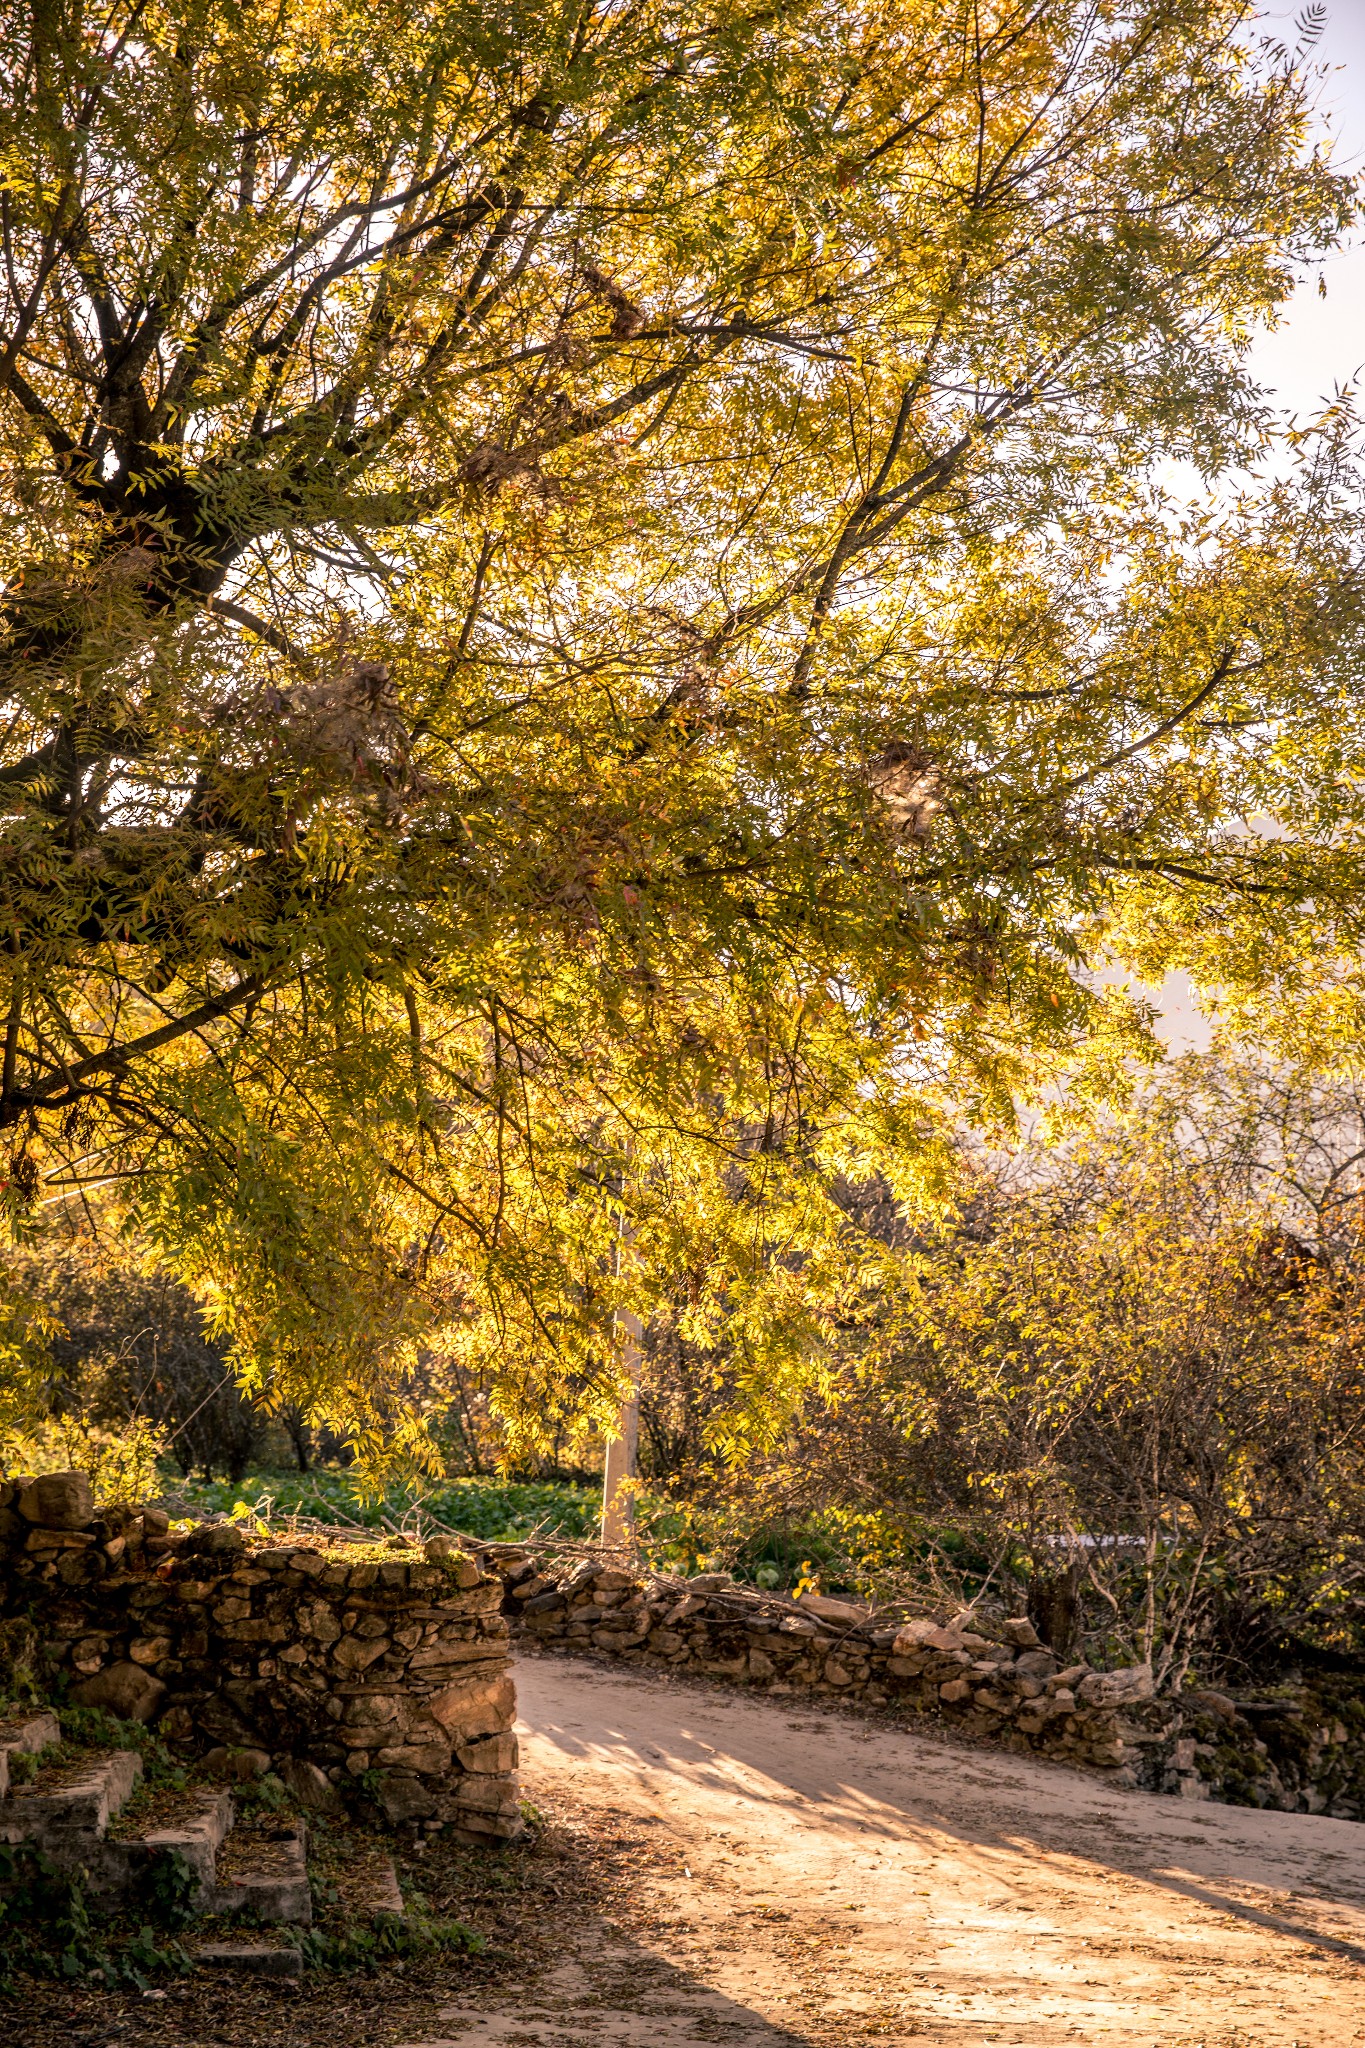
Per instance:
x=1123, y=1380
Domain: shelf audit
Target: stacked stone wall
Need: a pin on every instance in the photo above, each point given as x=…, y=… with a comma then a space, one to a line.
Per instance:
x=1302, y=1749
x=385, y=1667
x=334, y=1665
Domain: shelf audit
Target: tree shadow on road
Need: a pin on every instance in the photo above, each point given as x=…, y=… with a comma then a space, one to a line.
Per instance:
x=621, y=1997
x=1020, y=1817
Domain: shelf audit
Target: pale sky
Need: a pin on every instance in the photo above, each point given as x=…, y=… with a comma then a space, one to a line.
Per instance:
x=1321, y=343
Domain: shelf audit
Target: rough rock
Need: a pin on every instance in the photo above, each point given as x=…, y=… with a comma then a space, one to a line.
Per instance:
x=825, y=1609
x=914, y=1635
x=237, y=1766
x=1207, y=1702
x=478, y=1706
x=308, y=1785
x=1117, y=1688
x=219, y=1539
x=58, y=1500
x=124, y=1689
x=406, y=1798
x=928, y=1635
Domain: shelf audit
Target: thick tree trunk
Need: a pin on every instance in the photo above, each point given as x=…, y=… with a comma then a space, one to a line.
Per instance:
x=1053, y=1608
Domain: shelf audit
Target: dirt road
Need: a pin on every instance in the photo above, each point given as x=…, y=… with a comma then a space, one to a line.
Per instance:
x=807, y=1878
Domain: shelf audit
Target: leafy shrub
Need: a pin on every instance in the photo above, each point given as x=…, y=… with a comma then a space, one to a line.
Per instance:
x=20, y=1684
x=1122, y=1386
x=121, y=1463
x=47, y=1928
x=97, y=1728
x=390, y=1938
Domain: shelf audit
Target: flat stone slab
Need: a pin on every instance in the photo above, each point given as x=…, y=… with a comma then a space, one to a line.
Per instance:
x=252, y=1958
x=29, y=1737
x=267, y=1879
x=369, y=1887
x=380, y=1895
x=82, y=1808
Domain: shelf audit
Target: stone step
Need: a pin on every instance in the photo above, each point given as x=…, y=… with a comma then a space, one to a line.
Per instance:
x=27, y=1737
x=264, y=1876
x=377, y=1894
x=119, y=1868
x=197, y=1838
x=259, y=1874
x=70, y=1802
x=251, y=1959
x=368, y=1886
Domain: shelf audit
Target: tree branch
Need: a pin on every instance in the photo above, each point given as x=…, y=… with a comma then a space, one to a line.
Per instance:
x=116, y=1058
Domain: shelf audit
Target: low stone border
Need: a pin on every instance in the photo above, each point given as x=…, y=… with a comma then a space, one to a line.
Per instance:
x=1303, y=1752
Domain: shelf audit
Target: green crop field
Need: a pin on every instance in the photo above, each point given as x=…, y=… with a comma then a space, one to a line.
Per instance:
x=493, y=1509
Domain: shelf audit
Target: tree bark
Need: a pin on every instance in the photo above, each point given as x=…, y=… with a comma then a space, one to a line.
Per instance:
x=618, y=1497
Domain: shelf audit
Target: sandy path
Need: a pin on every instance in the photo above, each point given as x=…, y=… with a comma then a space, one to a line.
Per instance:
x=806, y=1878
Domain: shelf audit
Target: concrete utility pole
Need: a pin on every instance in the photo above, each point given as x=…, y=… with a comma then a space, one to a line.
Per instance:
x=618, y=1506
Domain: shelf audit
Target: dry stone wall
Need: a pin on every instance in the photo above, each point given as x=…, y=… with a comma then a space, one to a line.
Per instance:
x=387, y=1668
x=1301, y=1751
x=328, y=1664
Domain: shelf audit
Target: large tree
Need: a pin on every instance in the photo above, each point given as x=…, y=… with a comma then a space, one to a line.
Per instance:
x=591, y=635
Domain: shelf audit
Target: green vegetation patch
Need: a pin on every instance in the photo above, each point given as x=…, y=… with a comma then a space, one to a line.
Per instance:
x=49, y=1929
x=494, y=1510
